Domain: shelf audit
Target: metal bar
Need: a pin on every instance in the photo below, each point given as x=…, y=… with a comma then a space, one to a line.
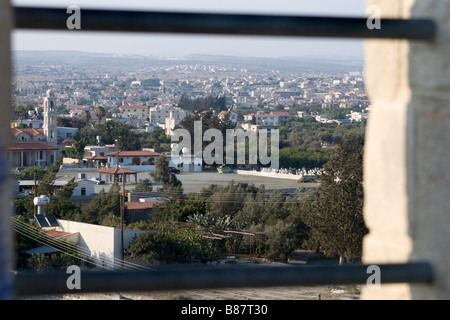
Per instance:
x=205, y=278
x=224, y=24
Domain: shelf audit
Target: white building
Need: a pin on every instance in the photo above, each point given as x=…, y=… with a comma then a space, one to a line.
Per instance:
x=159, y=114
x=132, y=158
x=232, y=115
x=173, y=120
x=36, y=146
x=101, y=244
x=134, y=112
x=273, y=118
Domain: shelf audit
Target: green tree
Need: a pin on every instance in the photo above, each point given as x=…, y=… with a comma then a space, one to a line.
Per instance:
x=144, y=185
x=282, y=240
x=100, y=112
x=30, y=172
x=104, y=205
x=24, y=207
x=87, y=116
x=21, y=111
x=335, y=217
x=173, y=245
x=166, y=177
x=47, y=182
x=112, y=130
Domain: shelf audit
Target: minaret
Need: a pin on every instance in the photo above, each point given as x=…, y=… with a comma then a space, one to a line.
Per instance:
x=50, y=126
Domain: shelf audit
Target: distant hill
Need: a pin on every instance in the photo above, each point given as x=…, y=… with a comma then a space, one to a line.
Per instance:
x=283, y=64
x=299, y=64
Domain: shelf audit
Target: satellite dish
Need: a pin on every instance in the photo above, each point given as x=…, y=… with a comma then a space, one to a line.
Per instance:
x=174, y=146
x=185, y=150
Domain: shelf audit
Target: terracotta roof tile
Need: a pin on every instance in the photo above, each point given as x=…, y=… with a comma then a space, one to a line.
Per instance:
x=18, y=146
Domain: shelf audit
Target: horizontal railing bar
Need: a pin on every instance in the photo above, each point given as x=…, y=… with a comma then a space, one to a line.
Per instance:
x=217, y=277
x=224, y=24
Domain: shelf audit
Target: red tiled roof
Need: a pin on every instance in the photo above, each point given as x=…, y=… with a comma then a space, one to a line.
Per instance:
x=56, y=233
x=141, y=205
x=133, y=107
x=96, y=157
x=19, y=146
x=280, y=113
x=117, y=171
x=29, y=131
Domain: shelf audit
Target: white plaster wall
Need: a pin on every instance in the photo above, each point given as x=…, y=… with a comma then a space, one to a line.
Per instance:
x=103, y=243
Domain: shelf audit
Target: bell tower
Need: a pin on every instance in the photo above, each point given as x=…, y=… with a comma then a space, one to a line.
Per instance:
x=50, y=126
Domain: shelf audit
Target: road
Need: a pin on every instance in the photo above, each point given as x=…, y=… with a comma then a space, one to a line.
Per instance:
x=195, y=181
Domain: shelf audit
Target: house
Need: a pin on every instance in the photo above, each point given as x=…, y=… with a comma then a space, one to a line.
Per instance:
x=131, y=158
x=173, y=120
x=84, y=186
x=66, y=133
x=273, y=118
x=134, y=111
x=141, y=210
x=99, y=150
x=159, y=114
x=233, y=116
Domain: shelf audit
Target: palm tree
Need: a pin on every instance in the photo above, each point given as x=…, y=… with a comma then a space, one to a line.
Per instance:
x=100, y=112
x=86, y=116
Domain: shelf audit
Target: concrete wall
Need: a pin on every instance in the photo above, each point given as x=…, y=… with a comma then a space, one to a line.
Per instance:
x=406, y=175
x=103, y=243
x=269, y=175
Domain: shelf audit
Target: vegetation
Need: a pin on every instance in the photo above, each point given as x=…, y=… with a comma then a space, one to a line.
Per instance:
x=216, y=103
x=166, y=177
x=272, y=225
x=335, y=217
x=173, y=245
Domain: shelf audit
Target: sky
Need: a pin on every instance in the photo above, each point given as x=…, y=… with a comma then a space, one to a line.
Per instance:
x=182, y=45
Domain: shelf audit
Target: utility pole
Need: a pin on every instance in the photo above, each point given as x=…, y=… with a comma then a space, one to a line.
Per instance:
x=122, y=209
x=35, y=192
x=122, y=201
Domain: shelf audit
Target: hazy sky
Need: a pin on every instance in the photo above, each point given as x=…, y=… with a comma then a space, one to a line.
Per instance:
x=180, y=45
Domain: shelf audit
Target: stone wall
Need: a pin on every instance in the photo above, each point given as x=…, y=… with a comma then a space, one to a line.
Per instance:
x=406, y=179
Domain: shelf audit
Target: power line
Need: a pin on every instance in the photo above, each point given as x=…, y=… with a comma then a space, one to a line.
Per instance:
x=61, y=245
x=67, y=248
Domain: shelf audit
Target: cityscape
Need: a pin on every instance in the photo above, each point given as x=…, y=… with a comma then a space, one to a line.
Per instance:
x=94, y=130
x=242, y=150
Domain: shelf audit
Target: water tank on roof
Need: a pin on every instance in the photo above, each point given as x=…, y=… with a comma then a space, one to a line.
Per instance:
x=41, y=200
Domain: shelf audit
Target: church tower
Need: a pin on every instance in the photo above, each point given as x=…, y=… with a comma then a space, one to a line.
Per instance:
x=50, y=126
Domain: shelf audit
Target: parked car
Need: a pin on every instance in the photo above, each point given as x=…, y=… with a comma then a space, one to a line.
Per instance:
x=97, y=180
x=174, y=170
